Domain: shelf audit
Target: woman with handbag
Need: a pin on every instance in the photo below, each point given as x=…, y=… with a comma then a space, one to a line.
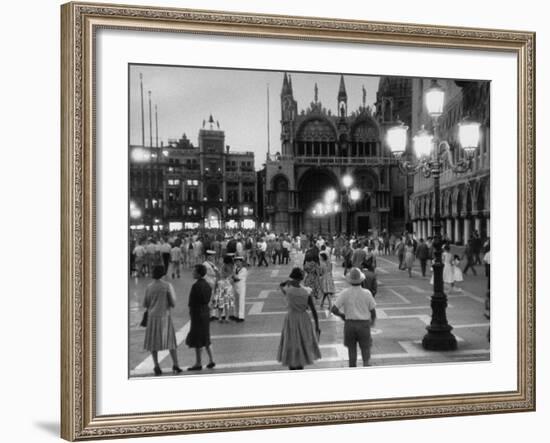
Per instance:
x=160, y=333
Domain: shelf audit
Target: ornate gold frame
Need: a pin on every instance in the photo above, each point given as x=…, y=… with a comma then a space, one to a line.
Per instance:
x=79, y=420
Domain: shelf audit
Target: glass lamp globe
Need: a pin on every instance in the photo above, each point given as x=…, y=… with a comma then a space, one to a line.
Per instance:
x=330, y=196
x=355, y=194
x=469, y=135
x=396, y=138
x=347, y=180
x=435, y=98
x=423, y=143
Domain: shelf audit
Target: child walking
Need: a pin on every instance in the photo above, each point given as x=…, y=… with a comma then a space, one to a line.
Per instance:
x=457, y=272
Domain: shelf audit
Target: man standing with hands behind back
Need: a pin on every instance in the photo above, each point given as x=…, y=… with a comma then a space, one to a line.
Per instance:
x=356, y=306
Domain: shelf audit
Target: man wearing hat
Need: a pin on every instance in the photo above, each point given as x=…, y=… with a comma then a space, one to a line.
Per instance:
x=239, y=288
x=212, y=273
x=356, y=306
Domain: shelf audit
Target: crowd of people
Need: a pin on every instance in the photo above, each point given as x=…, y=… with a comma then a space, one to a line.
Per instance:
x=220, y=262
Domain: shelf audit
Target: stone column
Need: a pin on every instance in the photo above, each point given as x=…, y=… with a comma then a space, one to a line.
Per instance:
x=458, y=237
x=467, y=224
x=415, y=227
x=449, y=229
x=429, y=226
x=240, y=202
x=477, y=224
x=488, y=221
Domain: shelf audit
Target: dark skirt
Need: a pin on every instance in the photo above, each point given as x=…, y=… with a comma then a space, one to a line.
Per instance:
x=199, y=332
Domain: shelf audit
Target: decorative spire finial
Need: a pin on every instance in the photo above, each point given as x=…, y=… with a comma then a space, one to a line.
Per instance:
x=316, y=89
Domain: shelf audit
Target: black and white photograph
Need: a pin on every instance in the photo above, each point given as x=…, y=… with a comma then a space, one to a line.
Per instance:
x=306, y=220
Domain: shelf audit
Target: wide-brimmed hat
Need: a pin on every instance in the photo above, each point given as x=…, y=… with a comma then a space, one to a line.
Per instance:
x=238, y=257
x=210, y=252
x=355, y=276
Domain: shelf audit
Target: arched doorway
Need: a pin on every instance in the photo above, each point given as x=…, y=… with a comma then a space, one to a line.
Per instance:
x=313, y=185
x=365, y=217
x=280, y=203
x=212, y=220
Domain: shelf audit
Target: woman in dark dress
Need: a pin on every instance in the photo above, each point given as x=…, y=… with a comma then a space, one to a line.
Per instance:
x=199, y=313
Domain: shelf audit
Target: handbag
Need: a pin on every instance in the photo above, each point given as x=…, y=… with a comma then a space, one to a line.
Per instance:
x=143, y=323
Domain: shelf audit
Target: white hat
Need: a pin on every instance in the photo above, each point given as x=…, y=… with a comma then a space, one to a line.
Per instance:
x=210, y=252
x=355, y=276
x=238, y=257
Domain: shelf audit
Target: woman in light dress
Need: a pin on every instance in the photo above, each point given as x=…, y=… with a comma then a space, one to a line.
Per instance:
x=299, y=342
x=408, y=261
x=160, y=334
x=224, y=298
x=448, y=267
x=457, y=273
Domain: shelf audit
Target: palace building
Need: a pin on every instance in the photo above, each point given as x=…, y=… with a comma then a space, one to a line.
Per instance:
x=319, y=147
x=465, y=197
x=182, y=186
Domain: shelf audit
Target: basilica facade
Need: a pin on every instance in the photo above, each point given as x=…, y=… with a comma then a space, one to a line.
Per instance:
x=319, y=147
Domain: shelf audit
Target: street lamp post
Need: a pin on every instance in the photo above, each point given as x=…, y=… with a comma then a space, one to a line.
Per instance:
x=431, y=151
x=330, y=207
x=349, y=197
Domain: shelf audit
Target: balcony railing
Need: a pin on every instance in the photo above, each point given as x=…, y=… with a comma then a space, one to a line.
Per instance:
x=305, y=160
x=371, y=161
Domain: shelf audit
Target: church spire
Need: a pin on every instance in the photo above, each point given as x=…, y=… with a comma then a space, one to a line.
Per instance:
x=342, y=94
x=287, y=85
x=342, y=99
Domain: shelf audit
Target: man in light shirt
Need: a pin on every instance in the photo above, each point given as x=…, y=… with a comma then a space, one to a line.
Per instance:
x=140, y=254
x=356, y=306
x=262, y=248
x=175, y=261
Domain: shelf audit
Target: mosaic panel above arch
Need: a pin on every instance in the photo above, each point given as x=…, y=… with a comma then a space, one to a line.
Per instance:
x=316, y=129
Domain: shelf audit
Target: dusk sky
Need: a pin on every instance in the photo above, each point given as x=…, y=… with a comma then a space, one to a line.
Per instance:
x=237, y=99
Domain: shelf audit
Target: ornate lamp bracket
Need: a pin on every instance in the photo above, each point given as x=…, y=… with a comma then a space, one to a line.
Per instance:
x=465, y=164
x=410, y=168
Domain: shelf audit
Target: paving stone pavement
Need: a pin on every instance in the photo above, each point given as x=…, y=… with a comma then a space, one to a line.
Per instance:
x=403, y=310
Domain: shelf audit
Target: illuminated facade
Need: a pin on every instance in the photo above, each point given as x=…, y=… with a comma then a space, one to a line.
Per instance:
x=182, y=186
x=465, y=197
